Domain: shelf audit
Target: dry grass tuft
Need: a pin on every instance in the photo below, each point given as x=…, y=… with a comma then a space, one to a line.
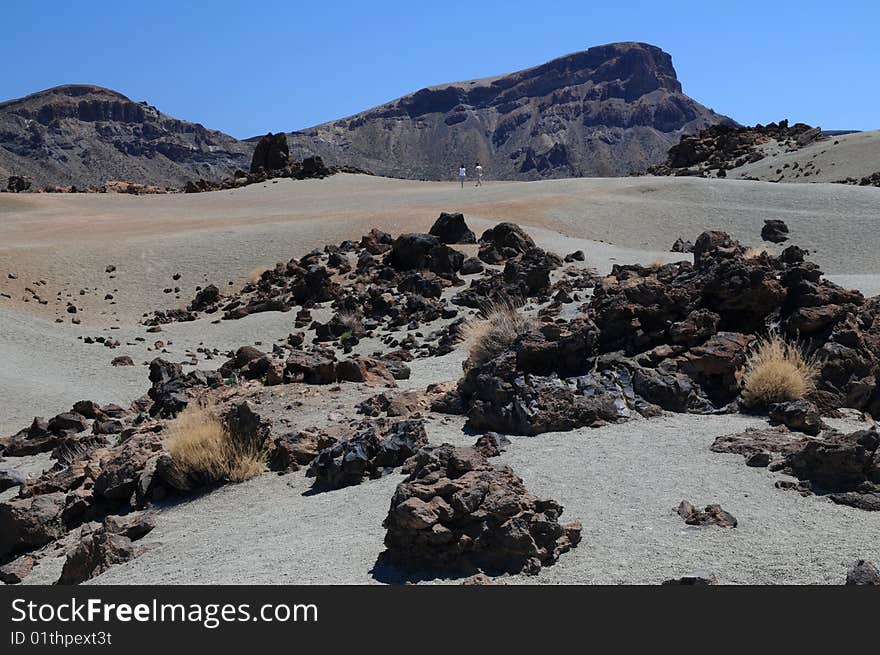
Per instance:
x=756, y=251
x=352, y=322
x=202, y=448
x=777, y=371
x=657, y=263
x=489, y=336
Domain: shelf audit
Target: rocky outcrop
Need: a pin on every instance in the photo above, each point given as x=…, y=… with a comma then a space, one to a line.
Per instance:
x=674, y=337
x=271, y=153
x=80, y=136
x=368, y=454
x=456, y=513
x=451, y=228
x=610, y=110
x=101, y=547
x=722, y=147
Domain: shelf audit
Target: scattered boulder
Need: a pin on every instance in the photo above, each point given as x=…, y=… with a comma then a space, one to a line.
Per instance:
x=457, y=513
x=491, y=444
x=97, y=550
x=774, y=230
x=800, y=415
x=27, y=523
x=863, y=573
x=364, y=369
x=451, y=228
x=712, y=515
x=681, y=245
x=370, y=453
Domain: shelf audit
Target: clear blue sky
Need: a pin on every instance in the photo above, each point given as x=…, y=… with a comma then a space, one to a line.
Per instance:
x=250, y=67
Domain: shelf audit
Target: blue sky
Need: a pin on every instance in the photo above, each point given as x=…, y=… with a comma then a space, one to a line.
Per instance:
x=251, y=67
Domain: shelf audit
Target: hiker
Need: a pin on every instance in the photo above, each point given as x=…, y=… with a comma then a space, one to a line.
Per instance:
x=462, y=174
x=479, y=171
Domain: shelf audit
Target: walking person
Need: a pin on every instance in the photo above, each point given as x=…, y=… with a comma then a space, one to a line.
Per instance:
x=479, y=171
x=462, y=174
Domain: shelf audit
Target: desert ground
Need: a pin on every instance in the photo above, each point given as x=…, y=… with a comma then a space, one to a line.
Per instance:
x=826, y=160
x=621, y=481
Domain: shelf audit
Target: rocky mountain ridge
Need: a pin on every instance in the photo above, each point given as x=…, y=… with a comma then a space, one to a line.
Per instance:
x=610, y=110
x=85, y=135
x=607, y=111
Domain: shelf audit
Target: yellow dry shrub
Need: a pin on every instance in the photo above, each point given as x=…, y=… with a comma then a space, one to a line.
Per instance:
x=488, y=336
x=202, y=448
x=777, y=371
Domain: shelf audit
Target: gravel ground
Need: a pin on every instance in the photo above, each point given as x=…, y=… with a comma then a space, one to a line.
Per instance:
x=621, y=481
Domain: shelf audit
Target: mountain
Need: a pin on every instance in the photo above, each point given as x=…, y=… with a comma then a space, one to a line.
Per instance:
x=610, y=110
x=85, y=135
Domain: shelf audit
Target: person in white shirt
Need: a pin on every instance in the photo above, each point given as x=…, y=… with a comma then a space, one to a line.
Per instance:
x=462, y=174
x=479, y=171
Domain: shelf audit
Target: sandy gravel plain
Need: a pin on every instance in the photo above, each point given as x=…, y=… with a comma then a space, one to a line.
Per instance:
x=620, y=481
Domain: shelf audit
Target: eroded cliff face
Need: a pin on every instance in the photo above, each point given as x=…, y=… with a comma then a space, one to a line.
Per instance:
x=609, y=110
x=85, y=135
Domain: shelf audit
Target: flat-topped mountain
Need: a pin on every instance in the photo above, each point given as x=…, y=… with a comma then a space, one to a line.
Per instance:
x=85, y=135
x=610, y=110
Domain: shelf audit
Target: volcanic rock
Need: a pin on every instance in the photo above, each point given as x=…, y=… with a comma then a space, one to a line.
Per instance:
x=451, y=228
x=455, y=512
x=774, y=230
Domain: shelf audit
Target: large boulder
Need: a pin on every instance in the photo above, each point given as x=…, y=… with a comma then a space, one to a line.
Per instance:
x=271, y=153
x=370, y=453
x=456, y=513
x=774, y=230
x=97, y=550
x=424, y=252
x=28, y=523
x=502, y=242
x=451, y=228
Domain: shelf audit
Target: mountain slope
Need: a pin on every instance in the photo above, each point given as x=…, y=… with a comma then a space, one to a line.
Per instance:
x=85, y=135
x=609, y=110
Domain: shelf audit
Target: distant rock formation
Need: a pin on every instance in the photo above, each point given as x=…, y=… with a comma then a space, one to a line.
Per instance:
x=610, y=110
x=720, y=148
x=80, y=136
x=271, y=154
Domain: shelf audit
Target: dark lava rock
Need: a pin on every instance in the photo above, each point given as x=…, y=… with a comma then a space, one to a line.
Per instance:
x=712, y=515
x=491, y=444
x=681, y=245
x=271, y=153
x=774, y=230
x=455, y=512
x=451, y=228
x=800, y=415
x=27, y=523
x=96, y=552
x=370, y=453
